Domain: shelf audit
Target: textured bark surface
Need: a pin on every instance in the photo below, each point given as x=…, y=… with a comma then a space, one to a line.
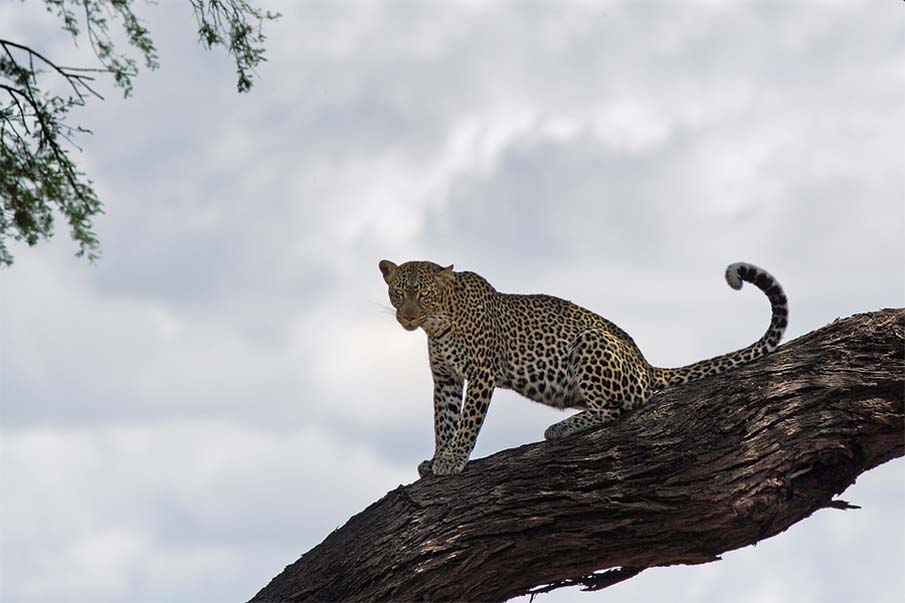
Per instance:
x=702, y=469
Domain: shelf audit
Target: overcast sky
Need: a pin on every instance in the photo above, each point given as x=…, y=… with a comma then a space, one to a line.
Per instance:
x=225, y=387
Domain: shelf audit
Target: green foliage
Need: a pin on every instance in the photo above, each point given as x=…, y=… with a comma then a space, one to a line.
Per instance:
x=36, y=171
x=37, y=174
x=237, y=25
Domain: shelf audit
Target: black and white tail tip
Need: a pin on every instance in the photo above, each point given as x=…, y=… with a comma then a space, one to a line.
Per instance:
x=740, y=272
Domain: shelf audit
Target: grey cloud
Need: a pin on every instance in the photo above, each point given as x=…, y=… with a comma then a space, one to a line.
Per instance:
x=552, y=202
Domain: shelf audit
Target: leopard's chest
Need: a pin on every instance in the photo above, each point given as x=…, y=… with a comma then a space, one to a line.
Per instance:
x=450, y=355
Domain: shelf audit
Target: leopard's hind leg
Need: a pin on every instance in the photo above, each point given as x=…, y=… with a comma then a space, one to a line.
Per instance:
x=610, y=377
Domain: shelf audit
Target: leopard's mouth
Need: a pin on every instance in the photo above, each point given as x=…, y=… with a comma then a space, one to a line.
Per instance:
x=411, y=325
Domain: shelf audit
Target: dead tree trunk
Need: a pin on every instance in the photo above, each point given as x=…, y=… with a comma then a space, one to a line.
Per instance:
x=702, y=469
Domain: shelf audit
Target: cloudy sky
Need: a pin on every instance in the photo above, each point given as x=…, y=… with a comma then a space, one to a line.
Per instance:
x=225, y=387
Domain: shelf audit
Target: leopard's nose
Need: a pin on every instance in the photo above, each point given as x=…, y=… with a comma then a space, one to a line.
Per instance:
x=408, y=324
x=406, y=317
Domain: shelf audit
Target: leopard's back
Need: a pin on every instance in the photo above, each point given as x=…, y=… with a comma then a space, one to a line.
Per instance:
x=539, y=334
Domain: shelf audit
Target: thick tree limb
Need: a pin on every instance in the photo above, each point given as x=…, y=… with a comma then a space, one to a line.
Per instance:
x=701, y=470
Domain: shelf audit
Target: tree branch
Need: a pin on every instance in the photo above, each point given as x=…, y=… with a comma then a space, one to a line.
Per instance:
x=74, y=79
x=701, y=470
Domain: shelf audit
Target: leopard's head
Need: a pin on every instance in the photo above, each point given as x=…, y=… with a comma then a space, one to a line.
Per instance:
x=417, y=292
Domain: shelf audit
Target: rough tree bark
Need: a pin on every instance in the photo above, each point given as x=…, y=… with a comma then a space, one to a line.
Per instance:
x=701, y=470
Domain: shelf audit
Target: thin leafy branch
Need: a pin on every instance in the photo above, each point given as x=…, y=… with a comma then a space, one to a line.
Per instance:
x=36, y=170
x=38, y=177
x=239, y=26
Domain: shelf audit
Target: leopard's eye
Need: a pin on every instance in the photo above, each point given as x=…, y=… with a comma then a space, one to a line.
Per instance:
x=425, y=294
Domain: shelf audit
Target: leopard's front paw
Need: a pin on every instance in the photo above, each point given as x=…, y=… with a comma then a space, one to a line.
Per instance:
x=448, y=464
x=424, y=468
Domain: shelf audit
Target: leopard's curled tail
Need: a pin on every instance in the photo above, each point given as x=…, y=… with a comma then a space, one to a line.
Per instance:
x=736, y=274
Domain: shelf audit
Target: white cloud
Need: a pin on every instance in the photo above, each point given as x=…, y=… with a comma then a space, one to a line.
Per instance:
x=191, y=509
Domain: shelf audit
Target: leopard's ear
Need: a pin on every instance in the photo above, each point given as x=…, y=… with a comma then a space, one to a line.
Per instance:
x=388, y=269
x=446, y=276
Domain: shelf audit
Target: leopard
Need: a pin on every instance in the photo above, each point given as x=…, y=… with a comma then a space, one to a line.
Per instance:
x=545, y=348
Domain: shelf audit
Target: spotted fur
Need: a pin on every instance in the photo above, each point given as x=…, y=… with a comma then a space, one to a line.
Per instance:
x=545, y=348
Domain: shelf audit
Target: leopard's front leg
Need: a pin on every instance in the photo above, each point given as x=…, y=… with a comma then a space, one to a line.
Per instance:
x=447, y=404
x=454, y=456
